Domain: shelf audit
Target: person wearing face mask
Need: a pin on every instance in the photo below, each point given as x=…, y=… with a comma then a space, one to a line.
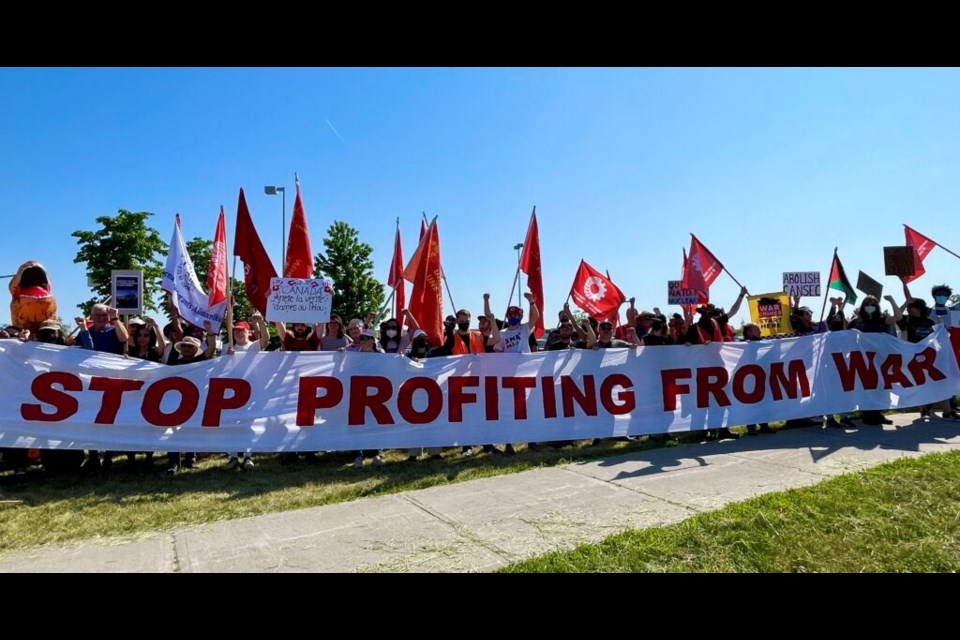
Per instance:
x=515, y=337
x=870, y=320
x=420, y=350
x=459, y=339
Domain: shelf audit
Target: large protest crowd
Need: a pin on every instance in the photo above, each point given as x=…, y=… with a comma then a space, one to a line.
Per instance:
x=179, y=343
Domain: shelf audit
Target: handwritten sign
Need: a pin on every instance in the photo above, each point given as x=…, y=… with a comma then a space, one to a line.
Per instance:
x=676, y=294
x=898, y=261
x=300, y=300
x=869, y=286
x=802, y=283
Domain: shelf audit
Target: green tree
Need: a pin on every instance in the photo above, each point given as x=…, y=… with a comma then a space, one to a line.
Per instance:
x=124, y=241
x=347, y=262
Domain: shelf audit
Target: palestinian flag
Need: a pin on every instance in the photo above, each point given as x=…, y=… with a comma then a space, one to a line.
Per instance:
x=839, y=280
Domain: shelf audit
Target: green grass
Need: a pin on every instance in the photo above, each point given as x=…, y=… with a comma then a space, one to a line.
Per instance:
x=900, y=516
x=126, y=503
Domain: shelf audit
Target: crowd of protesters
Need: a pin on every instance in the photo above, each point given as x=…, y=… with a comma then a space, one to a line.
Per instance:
x=179, y=344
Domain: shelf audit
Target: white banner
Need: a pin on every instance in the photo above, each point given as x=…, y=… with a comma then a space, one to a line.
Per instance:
x=180, y=279
x=64, y=397
x=300, y=300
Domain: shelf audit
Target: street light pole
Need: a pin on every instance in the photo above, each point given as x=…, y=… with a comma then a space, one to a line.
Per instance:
x=272, y=191
x=519, y=248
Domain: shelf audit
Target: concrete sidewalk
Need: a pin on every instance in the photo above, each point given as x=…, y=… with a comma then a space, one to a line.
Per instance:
x=485, y=524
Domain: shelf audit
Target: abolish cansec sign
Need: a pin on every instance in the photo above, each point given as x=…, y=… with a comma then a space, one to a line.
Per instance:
x=802, y=284
x=64, y=397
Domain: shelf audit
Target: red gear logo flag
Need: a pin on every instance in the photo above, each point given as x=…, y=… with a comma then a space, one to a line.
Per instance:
x=595, y=293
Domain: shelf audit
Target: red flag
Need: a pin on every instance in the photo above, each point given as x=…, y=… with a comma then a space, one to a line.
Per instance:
x=426, y=295
x=410, y=272
x=423, y=228
x=257, y=268
x=299, y=257
x=217, y=271
x=530, y=265
x=595, y=293
x=705, y=261
x=922, y=245
x=395, y=279
x=700, y=269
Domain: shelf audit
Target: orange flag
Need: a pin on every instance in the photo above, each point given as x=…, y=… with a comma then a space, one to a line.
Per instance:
x=426, y=295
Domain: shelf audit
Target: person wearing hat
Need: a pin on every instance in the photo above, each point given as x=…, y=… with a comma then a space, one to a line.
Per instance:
x=50, y=332
x=366, y=342
x=246, y=340
x=189, y=349
x=243, y=343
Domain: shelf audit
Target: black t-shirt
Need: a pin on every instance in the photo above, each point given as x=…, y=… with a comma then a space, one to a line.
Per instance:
x=559, y=345
x=651, y=340
x=917, y=328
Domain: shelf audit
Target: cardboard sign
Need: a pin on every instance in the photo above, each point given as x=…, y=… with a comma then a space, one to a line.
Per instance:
x=300, y=300
x=771, y=312
x=676, y=294
x=869, y=286
x=802, y=283
x=898, y=261
x=126, y=287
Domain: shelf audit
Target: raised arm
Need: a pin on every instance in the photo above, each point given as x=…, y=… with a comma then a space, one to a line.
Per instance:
x=121, y=328
x=590, y=334
x=281, y=331
x=632, y=313
x=896, y=310
x=211, y=340
x=486, y=307
x=262, y=332
x=534, y=311
x=743, y=292
x=161, y=341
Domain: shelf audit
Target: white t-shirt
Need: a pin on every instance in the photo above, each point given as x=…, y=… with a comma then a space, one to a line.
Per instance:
x=251, y=347
x=514, y=340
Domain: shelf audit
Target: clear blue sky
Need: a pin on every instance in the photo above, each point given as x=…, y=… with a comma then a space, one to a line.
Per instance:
x=770, y=168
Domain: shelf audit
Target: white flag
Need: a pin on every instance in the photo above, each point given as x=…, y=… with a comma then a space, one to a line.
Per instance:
x=180, y=279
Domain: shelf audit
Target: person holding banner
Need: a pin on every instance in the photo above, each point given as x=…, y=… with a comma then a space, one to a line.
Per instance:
x=190, y=353
x=870, y=320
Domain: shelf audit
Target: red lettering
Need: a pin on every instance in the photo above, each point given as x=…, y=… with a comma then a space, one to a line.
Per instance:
x=360, y=400
x=671, y=388
x=759, y=381
x=434, y=400
x=519, y=386
x=491, y=398
x=549, y=393
x=189, y=400
x=308, y=402
x=711, y=380
x=458, y=398
x=586, y=399
x=924, y=361
x=42, y=389
x=892, y=372
x=798, y=378
x=113, y=389
x=625, y=401
x=858, y=368
x=217, y=399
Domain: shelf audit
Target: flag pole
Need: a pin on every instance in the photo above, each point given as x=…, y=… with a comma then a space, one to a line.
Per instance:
x=229, y=280
x=516, y=277
x=824, y=307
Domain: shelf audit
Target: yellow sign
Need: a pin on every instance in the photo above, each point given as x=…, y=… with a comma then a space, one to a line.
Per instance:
x=771, y=312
